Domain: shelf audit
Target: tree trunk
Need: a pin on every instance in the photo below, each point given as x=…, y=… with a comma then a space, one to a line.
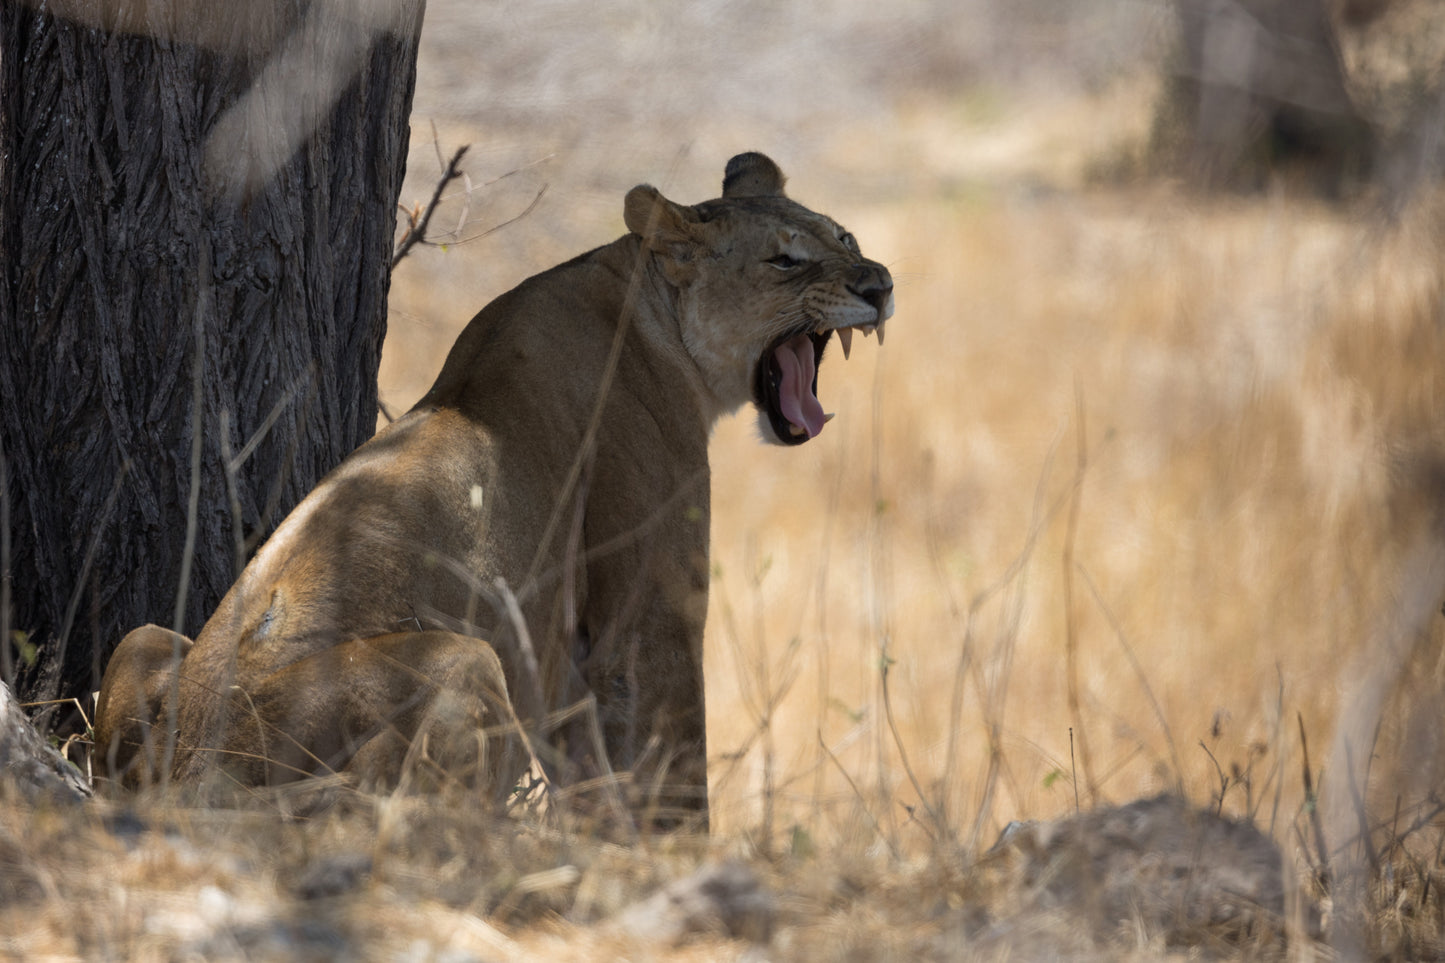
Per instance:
x=197, y=203
x=1259, y=88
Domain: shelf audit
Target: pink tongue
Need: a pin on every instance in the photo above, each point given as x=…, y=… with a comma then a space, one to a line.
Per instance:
x=795, y=393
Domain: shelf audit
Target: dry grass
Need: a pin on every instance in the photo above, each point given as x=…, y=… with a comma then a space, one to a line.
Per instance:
x=1142, y=487
x=1141, y=483
x=1247, y=389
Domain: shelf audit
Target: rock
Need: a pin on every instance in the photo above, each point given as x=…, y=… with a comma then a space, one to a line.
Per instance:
x=333, y=876
x=1156, y=866
x=725, y=899
x=31, y=766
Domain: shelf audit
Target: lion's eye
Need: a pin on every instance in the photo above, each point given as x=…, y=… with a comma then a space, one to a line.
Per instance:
x=784, y=262
x=850, y=242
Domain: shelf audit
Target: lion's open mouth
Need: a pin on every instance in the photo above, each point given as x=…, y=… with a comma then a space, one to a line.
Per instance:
x=787, y=381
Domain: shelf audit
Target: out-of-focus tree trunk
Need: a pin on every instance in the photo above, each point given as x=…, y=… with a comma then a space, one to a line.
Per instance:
x=1258, y=89
x=197, y=203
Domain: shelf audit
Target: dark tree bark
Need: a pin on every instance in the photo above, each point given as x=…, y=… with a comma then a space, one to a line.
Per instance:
x=197, y=203
x=1259, y=88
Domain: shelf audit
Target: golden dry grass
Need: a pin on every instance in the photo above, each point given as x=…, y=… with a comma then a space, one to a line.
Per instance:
x=1142, y=485
x=1185, y=437
x=1197, y=443
x=1254, y=387
x=1248, y=386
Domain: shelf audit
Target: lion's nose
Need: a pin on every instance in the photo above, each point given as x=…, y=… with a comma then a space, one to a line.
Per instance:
x=873, y=283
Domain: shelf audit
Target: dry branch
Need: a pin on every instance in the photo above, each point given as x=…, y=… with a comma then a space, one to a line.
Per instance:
x=417, y=220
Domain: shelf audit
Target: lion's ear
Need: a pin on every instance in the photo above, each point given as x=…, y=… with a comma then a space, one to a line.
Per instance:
x=662, y=225
x=752, y=175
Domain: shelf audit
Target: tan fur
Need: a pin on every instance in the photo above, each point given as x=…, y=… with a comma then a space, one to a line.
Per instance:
x=557, y=468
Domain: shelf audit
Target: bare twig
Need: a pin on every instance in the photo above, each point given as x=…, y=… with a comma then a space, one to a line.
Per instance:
x=1425, y=816
x=537, y=199
x=236, y=461
x=1223, y=779
x=72, y=605
x=877, y=827
x=1143, y=678
x=823, y=673
x=1312, y=802
x=268, y=519
x=198, y=368
x=233, y=497
x=1394, y=842
x=1073, y=771
x=762, y=695
x=993, y=686
x=903, y=753
x=418, y=220
x=1358, y=800
x=1071, y=641
x=386, y=412
x=1278, y=749
x=532, y=675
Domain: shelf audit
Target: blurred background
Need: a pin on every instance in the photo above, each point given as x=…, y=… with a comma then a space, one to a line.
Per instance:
x=1144, y=490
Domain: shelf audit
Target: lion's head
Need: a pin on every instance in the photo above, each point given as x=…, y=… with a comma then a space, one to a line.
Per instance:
x=764, y=284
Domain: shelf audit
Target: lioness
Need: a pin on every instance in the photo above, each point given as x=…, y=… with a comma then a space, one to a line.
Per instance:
x=549, y=495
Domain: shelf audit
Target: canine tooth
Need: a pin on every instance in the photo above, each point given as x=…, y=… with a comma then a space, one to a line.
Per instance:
x=829, y=416
x=845, y=338
x=880, y=334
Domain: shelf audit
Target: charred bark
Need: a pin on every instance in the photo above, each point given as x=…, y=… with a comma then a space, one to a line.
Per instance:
x=197, y=204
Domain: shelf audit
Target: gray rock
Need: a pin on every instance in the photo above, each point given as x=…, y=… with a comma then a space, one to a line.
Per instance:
x=725, y=899
x=31, y=766
x=1156, y=866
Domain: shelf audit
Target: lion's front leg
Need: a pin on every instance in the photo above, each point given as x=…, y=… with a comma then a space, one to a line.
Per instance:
x=645, y=671
x=667, y=730
x=645, y=537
